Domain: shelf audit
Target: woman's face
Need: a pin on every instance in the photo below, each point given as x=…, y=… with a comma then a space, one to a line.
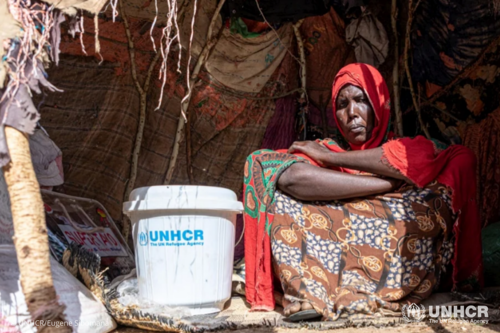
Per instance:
x=355, y=114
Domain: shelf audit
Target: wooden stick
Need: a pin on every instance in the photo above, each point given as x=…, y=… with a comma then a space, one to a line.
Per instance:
x=30, y=236
x=302, y=54
x=189, y=168
x=304, y=101
x=411, y=11
x=143, y=91
x=131, y=48
x=395, y=70
x=140, y=128
x=446, y=113
x=211, y=41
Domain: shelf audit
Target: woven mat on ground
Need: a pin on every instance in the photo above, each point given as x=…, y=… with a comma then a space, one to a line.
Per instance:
x=236, y=314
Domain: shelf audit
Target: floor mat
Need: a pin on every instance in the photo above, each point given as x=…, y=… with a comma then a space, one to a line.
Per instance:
x=236, y=314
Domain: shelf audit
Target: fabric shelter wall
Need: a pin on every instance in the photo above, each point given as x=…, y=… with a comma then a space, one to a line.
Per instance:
x=94, y=120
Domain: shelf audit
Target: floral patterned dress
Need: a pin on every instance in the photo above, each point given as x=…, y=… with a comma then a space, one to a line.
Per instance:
x=354, y=257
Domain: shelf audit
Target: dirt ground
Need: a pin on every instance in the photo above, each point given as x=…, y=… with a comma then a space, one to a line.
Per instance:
x=408, y=328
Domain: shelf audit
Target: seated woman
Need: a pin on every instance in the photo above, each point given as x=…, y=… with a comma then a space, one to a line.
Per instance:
x=380, y=224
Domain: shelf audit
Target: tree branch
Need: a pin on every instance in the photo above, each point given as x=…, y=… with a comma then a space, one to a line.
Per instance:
x=211, y=41
x=143, y=91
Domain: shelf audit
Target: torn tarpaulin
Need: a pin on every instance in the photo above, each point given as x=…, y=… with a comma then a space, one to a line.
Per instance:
x=18, y=110
x=55, y=37
x=368, y=38
x=23, y=62
x=30, y=35
x=71, y=6
x=246, y=64
x=47, y=159
x=9, y=28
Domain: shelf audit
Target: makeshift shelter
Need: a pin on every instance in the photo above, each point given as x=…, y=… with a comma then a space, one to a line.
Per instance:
x=180, y=92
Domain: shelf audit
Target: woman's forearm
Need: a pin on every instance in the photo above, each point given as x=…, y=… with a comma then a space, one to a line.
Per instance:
x=306, y=182
x=369, y=160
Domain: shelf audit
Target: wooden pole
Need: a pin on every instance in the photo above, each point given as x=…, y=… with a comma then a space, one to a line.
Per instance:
x=395, y=70
x=143, y=93
x=211, y=41
x=302, y=55
x=30, y=236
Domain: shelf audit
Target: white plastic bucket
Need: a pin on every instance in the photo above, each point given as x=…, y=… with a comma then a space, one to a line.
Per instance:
x=184, y=244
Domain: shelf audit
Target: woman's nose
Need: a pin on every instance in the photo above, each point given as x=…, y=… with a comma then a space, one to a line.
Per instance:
x=352, y=110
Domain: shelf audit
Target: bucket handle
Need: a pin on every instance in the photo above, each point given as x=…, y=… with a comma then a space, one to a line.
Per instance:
x=75, y=225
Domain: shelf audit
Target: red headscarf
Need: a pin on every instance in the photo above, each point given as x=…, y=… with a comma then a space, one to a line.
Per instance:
x=372, y=83
x=370, y=80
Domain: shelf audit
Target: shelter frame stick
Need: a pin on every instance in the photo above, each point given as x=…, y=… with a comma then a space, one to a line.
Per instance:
x=211, y=41
x=411, y=12
x=30, y=236
x=189, y=148
x=445, y=113
x=395, y=70
x=302, y=55
x=303, y=75
x=143, y=91
x=131, y=48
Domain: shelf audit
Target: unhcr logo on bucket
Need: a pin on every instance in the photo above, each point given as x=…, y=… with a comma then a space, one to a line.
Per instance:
x=477, y=314
x=143, y=239
x=172, y=238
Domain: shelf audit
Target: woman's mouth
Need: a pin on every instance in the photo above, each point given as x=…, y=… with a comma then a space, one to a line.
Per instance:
x=357, y=129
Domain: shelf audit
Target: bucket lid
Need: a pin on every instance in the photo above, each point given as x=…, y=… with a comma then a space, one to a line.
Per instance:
x=182, y=197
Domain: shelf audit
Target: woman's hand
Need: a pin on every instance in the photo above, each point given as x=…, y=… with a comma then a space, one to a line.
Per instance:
x=314, y=150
